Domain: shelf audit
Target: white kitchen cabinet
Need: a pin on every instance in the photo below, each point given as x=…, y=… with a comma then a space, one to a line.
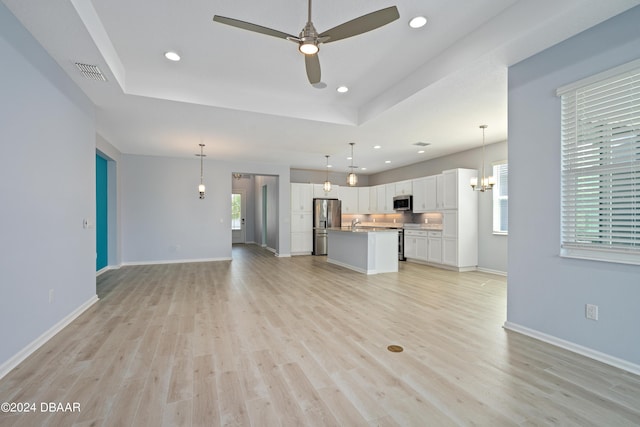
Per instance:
x=364, y=200
x=419, y=187
x=349, y=198
x=431, y=193
x=415, y=244
x=389, y=194
x=403, y=188
x=301, y=218
x=318, y=192
x=301, y=197
x=434, y=247
x=450, y=252
x=301, y=243
x=384, y=198
x=301, y=222
x=460, y=237
x=449, y=196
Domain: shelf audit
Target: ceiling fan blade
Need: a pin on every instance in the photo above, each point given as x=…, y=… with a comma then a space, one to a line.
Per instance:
x=312, y=63
x=252, y=27
x=362, y=24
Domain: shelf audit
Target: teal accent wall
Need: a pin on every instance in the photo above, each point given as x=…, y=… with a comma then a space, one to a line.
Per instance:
x=102, y=232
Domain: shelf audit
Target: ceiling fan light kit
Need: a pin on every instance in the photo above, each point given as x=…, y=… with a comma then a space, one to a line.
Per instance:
x=309, y=39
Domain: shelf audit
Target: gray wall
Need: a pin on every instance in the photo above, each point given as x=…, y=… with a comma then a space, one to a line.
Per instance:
x=305, y=176
x=47, y=186
x=546, y=293
x=163, y=220
x=492, y=249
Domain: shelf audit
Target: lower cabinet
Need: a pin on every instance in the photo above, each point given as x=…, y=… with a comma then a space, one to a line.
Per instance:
x=450, y=251
x=301, y=243
x=415, y=244
x=301, y=233
x=434, y=247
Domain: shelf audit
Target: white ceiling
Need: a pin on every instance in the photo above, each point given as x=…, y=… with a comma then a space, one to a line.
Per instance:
x=246, y=95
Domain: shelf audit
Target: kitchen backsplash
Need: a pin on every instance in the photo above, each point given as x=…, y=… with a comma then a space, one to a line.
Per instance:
x=400, y=217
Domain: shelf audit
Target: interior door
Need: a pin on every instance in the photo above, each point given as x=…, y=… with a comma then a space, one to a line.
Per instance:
x=238, y=215
x=102, y=231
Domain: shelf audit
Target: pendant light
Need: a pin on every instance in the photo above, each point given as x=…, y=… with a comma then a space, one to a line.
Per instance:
x=352, y=178
x=327, y=183
x=486, y=182
x=201, y=186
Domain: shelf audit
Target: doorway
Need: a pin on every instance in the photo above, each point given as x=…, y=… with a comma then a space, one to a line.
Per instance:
x=238, y=215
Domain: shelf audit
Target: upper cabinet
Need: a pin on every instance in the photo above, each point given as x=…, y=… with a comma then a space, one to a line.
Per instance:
x=403, y=188
x=425, y=194
x=443, y=191
x=419, y=195
x=365, y=205
x=449, y=197
x=301, y=197
x=349, y=198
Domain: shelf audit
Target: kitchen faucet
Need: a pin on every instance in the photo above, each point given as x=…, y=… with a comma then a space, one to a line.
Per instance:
x=355, y=222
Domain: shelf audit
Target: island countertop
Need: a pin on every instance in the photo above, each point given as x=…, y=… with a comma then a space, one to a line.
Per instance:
x=348, y=229
x=366, y=250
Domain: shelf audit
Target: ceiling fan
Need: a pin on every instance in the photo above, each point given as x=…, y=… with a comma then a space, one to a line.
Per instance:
x=309, y=39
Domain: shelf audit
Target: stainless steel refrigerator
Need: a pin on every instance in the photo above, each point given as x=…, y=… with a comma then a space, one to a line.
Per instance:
x=326, y=214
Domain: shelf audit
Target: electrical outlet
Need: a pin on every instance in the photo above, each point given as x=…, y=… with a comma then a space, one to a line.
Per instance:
x=591, y=311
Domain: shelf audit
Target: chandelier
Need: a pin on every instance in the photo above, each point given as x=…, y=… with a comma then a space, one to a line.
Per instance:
x=486, y=182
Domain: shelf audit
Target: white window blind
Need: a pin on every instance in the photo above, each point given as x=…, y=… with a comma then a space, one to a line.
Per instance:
x=501, y=198
x=601, y=168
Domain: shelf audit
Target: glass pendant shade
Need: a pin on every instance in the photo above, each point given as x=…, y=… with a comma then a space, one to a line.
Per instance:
x=327, y=184
x=352, y=179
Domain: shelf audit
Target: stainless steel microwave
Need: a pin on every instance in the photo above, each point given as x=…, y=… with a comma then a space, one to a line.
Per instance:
x=402, y=203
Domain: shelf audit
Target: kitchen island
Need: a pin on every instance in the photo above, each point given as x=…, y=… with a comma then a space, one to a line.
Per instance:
x=366, y=250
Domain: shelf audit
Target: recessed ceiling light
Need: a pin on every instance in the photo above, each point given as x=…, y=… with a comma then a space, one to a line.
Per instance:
x=421, y=151
x=418, y=22
x=387, y=161
x=329, y=166
x=349, y=158
x=377, y=147
x=343, y=89
x=172, y=56
x=363, y=169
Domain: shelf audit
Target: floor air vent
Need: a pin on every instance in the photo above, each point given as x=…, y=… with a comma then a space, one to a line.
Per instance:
x=91, y=72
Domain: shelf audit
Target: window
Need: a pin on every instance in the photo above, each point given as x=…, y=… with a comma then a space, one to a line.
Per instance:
x=236, y=212
x=501, y=198
x=601, y=166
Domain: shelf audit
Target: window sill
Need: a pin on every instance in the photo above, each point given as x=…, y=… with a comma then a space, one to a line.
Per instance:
x=500, y=233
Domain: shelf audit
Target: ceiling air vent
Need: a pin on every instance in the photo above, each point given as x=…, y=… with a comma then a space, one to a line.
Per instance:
x=91, y=72
x=422, y=144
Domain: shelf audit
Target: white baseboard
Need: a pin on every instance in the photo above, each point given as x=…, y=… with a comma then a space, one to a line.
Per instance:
x=350, y=267
x=488, y=270
x=576, y=348
x=283, y=255
x=14, y=361
x=176, y=261
x=107, y=268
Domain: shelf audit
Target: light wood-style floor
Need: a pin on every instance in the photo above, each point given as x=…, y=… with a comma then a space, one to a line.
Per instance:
x=266, y=341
